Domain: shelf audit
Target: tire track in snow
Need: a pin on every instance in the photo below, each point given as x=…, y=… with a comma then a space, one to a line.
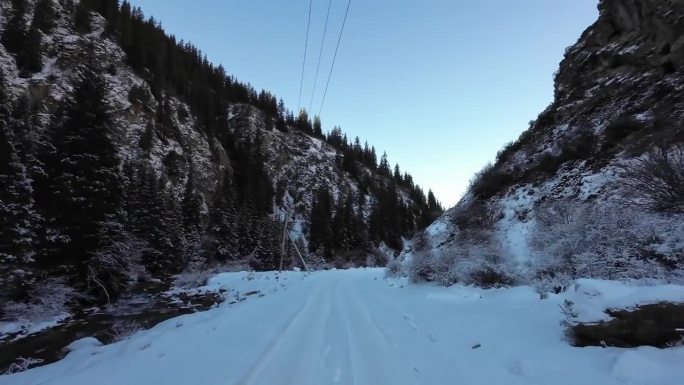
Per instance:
x=338, y=335
x=270, y=361
x=334, y=338
x=396, y=321
x=303, y=350
x=373, y=358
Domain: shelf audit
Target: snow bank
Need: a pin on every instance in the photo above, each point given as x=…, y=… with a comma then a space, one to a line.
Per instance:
x=591, y=297
x=24, y=327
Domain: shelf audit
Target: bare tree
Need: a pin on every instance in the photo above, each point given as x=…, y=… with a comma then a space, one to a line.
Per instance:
x=658, y=178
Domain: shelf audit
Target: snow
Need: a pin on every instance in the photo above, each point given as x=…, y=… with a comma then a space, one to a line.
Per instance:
x=439, y=226
x=593, y=296
x=512, y=233
x=515, y=235
x=344, y=327
x=24, y=327
x=83, y=343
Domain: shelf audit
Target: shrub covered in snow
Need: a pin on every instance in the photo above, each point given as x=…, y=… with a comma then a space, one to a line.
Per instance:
x=394, y=268
x=22, y=364
x=193, y=279
x=568, y=239
x=475, y=258
x=592, y=240
x=124, y=330
x=48, y=298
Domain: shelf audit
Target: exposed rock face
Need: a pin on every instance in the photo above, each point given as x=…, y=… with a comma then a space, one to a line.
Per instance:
x=628, y=62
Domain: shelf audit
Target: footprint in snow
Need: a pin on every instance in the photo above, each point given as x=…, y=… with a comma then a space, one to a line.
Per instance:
x=514, y=367
x=411, y=322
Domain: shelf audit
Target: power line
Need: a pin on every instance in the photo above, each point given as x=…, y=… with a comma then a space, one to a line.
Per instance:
x=344, y=22
x=320, y=55
x=306, y=46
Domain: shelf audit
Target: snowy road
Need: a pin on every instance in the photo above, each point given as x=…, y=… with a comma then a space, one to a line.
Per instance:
x=355, y=327
x=331, y=338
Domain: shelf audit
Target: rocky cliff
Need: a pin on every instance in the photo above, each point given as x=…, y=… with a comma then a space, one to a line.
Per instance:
x=575, y=188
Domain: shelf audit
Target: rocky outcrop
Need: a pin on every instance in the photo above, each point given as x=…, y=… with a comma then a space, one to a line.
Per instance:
x=628, y=62
x=619, y=92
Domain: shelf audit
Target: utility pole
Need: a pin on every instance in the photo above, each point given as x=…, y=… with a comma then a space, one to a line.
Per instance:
x=286, y=236
x=282, y=244
x=301, y=259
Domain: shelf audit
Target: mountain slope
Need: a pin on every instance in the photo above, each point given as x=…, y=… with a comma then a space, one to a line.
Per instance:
x=129, y=157
x=594, y=186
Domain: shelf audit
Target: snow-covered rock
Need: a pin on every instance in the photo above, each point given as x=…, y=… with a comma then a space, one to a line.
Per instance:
x=83, y=343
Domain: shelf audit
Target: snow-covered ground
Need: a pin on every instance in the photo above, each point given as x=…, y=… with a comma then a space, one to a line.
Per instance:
x=356, y=327
x=24, y=327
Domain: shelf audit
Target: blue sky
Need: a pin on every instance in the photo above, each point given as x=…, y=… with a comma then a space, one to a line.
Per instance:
x=441, y=85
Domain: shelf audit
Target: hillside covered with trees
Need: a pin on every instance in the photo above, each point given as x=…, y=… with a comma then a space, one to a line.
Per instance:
x=127, y=156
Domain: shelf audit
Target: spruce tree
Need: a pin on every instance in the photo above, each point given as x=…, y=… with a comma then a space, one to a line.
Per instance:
x=432, y=210
x=386, y=220
x=14, y=36
x=17, y=218
x=408, y=180
x=84, y=179
x=30, y=57
x=44, y=16
x=397, y=175
x=191, y=207
x=4, y=98
x=165, y=124
x=261, y=254
x=281, y=124
x=154, y=217
x=247, y=229
x=317, y=127
x=320, y=237
x=221, y=241
x=82, y=18
x=343, y=225
x=144, y=208
x=24, y=44
x=373, y=158
x=432, y=202
x=384, y=167
x=259, y=186
x=303, y=123
x=172, y=227
x=147, y=139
